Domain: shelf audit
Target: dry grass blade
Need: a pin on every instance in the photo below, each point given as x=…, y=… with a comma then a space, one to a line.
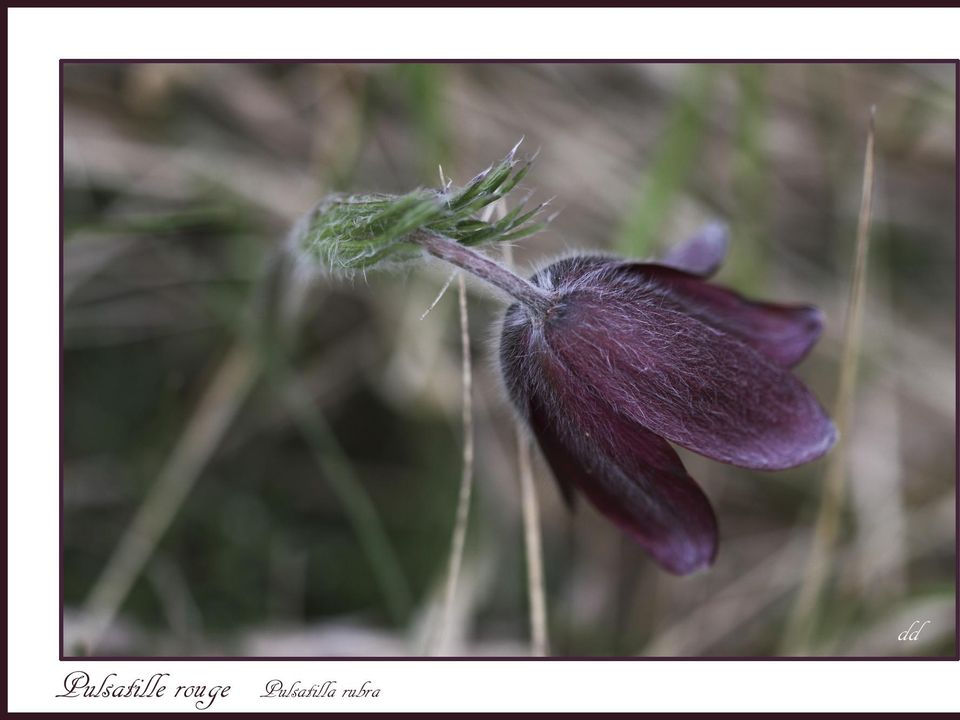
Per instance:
x=439, y=297
x=531, y=537
x=458, y=539
x=803, y=616
x=536, y=588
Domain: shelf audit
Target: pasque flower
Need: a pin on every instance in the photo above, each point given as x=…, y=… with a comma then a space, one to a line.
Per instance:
x=627, y=356
x=609, y=361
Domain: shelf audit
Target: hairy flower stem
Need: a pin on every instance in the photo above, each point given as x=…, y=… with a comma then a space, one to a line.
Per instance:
x=486, y=269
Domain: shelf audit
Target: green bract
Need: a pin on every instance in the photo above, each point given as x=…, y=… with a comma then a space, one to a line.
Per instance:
x=356, y=232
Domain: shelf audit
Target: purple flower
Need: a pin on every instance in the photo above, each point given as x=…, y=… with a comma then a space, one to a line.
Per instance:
x=631, y=355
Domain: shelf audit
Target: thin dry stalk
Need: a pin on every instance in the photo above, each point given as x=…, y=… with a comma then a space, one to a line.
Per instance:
x=800, y=626
x=531, y=537
x=536, y=587
x=458, y=539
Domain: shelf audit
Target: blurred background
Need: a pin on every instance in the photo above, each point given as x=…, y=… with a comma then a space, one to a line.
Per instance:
x=310, y=512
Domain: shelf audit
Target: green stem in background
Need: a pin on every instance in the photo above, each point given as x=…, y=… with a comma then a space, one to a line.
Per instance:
x=284, y=305
x=425, y=84
x=801, y=624
x=750, y=180
x=677, y=149
x=354, y=499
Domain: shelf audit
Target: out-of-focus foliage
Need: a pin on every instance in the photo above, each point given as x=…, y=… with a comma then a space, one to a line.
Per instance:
x=319, y=519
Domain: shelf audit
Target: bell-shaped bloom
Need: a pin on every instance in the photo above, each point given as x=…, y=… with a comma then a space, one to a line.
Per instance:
x=632, y=355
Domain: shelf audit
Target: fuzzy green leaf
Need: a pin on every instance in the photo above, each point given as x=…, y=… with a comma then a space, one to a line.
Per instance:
x=357, y=232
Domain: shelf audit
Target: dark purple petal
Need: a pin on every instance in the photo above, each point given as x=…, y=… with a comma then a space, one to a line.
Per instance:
x=627, y=339
x=785, y=333
x=629, y=474
x=637, y=480
x=701, y=254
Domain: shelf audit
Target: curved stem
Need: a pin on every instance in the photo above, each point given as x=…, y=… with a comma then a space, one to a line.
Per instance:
x=488, y=270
